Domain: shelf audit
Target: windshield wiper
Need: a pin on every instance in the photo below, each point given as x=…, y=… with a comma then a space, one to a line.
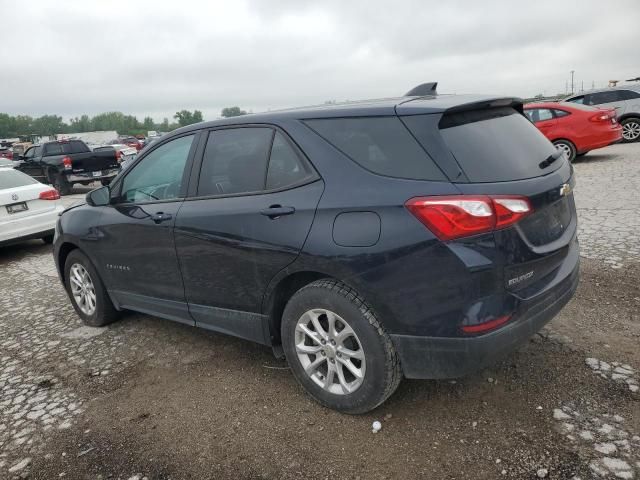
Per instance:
x=550, y=159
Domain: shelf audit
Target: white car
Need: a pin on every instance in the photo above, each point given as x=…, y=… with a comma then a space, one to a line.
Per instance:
x=28, y=208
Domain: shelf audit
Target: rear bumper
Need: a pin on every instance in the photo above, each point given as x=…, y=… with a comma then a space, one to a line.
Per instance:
x=445, y=357
x=33, y=226
x=600, y=140
x=88, y=176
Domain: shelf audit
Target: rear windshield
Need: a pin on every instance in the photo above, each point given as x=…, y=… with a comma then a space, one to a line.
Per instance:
x=496, y=145
x=63, y=148
x=382, y=145
x=10, y=178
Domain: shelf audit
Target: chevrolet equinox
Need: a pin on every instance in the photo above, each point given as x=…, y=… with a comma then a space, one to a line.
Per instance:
x=423, y=236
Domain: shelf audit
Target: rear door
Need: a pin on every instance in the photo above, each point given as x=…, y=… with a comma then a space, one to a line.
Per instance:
x=543, y=119
x=499, y=152
x=254, y=200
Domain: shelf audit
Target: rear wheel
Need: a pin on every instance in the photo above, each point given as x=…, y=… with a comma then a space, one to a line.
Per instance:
x=567, y=148
x=337, y=349
x=60, y=183
x=630, y=129
x=87, y=292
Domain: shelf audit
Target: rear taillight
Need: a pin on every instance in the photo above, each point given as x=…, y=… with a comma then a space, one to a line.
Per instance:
x=600, y=117
x=49, y=195
x=68, y=164
x=456, y=216
x=119, y=156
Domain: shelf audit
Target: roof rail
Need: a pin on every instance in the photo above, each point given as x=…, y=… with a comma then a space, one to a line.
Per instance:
x=423, y=89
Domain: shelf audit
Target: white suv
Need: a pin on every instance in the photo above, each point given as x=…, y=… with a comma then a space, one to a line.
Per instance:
x=625, y=99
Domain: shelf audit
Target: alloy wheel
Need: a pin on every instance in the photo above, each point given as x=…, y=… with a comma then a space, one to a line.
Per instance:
x=330, y=352
x=564, y=148
x=82, y=289
x=631, y=130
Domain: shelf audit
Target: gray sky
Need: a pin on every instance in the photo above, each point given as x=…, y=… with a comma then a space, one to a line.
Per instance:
x=156, y=57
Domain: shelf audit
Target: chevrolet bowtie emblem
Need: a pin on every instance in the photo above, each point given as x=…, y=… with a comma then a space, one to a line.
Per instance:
x=565, y=190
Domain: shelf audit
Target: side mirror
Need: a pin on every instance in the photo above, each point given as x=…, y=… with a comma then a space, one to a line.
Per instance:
x=99, y=197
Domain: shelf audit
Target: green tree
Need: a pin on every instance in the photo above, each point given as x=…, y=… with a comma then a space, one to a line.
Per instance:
x=148, y=124
x=48, y=125
x=82, y=124
x=229, y=112
x=185, y=117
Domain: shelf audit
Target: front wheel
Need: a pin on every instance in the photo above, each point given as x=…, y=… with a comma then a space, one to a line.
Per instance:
x=567, y=148
x=87, y=292
x=337, y=349
x=630, y=130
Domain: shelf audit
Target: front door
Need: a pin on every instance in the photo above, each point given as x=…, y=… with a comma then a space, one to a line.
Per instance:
x=135, y=240
x=254, y=206
x=31, y=163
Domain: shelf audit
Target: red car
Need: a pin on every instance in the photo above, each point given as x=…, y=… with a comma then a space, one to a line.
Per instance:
x=6, y=152
x=576, y=129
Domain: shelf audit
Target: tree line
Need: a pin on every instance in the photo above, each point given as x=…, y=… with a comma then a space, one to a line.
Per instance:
x=24, y=125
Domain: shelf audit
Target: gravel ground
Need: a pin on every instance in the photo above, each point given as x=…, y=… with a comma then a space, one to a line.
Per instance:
x=150, y=398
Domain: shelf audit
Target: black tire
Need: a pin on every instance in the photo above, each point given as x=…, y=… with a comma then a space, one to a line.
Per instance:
x=568, y=147
x=383, y=372
x=48, y=239
x=105, y=312
x=632, y=125
x=60, y=183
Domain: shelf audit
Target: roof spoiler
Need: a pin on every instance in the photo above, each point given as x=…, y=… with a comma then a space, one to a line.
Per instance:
x=423, y=89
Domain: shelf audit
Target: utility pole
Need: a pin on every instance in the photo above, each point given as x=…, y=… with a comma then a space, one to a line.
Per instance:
x=593, y=84
x=566, y=87
x=582, y=86
x=572, y=72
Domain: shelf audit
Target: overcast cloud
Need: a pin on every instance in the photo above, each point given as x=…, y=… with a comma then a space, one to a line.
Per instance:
x=156, y=57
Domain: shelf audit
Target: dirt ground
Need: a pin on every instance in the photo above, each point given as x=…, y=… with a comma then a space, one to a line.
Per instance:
x=150, y=398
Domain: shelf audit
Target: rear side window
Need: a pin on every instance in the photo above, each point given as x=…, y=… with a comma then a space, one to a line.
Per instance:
x=235, y=161
x=579, y=99
x=10, y=178
x=561, y=113
x=599, y=98
x=629, y=94
x=496, y=145
x=63, y=148
x=285, y=166
x=382, y=145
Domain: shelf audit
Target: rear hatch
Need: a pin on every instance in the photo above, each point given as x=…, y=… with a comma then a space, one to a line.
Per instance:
x=492, y=149
x=20, y=196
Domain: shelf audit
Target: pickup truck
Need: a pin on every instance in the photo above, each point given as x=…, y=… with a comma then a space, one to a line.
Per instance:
x=66, y=162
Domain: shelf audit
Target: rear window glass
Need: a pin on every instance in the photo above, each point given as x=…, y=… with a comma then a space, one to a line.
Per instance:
x=63, y=148
x=12, y=178
x=496, y=145
x=380, y=144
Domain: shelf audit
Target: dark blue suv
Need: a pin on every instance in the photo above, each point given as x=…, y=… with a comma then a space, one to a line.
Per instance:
x=423, y=236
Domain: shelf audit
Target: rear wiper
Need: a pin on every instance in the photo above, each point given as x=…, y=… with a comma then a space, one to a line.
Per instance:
x=550, y=159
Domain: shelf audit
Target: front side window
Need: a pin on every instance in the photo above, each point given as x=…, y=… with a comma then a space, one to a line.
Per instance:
x=28, y=155
x=159, y=175
x=629, y=94
x=235, y=161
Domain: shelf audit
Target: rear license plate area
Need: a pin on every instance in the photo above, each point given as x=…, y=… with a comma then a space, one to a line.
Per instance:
x=97, y=174
x=17, y=207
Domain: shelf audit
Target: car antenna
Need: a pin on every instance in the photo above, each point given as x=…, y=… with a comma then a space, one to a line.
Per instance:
x=423, y=89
